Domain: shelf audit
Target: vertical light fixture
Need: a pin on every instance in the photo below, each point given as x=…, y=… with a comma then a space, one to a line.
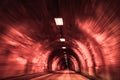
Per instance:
x=59, y=23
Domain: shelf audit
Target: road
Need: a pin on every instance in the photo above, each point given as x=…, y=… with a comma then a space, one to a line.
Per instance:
x=61, y=75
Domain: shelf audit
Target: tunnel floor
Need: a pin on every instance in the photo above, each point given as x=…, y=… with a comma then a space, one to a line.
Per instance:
x=61, y=75
x=54, y=75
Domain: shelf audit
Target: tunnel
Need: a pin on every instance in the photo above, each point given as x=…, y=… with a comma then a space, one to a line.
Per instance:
x=59, y=40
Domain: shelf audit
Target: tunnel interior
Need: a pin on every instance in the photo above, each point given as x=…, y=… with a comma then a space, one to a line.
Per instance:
x=66, y=65
x=30, y=39
x=63, y=58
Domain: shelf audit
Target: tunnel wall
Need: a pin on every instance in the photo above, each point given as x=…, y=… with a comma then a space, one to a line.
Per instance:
x=102, y=46
x=20, y=55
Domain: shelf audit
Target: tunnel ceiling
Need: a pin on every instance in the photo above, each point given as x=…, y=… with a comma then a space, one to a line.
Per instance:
x=60, y=53
x=63, y=56
x=36, y=18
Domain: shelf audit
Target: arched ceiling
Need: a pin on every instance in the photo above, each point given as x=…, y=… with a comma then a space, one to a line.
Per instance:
x=37, y=17
x=91, y=29
x=60, y=55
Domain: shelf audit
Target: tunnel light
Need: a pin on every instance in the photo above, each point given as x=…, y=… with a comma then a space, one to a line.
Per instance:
x=65, y=55
x=64, y=52
x=62, y=39
x=59, y=21
x=63, y=47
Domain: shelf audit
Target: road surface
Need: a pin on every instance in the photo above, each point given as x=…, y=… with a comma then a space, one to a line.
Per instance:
x=61, y=75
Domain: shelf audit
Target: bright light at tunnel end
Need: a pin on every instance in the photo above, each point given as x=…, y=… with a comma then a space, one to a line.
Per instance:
x=58, y=21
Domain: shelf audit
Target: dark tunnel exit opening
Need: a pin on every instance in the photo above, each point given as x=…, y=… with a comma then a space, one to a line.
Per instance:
x=63, y=63
x=66, y=64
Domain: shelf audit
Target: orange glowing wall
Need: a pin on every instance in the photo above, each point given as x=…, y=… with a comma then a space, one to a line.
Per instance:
x=19, y=54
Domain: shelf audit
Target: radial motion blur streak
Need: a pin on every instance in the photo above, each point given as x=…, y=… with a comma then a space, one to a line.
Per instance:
x=87, y=42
